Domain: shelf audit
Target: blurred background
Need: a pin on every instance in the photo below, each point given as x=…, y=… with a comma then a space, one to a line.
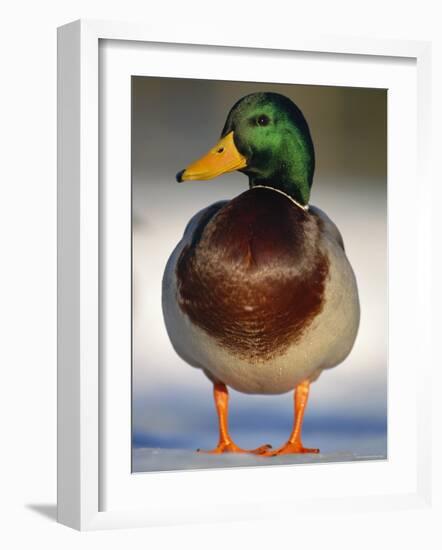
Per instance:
x=174, y=121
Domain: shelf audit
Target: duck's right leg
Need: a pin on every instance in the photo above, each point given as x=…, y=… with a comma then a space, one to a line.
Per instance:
x=225, y=443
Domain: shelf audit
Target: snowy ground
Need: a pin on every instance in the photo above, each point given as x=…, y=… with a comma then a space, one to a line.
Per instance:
x=156, y=459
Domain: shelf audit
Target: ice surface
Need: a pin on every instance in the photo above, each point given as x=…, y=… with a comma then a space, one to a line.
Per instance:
x=154, y=460
x=336, y=446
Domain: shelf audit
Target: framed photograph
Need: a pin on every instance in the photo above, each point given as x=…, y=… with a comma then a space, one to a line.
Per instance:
x=238, y=275
x=344, y=130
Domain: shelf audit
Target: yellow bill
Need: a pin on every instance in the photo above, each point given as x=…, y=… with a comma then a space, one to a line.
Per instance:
x=222, y=158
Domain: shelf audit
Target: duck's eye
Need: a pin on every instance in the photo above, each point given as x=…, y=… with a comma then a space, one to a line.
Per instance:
x=263, y=120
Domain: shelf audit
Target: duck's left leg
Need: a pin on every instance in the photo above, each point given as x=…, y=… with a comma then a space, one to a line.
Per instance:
x=294, y=443
x=225, y=443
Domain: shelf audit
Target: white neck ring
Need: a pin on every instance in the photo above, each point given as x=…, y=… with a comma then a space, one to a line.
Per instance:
x=303, y=207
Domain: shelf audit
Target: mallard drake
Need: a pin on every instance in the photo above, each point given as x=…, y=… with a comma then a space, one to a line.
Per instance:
x=259, y=292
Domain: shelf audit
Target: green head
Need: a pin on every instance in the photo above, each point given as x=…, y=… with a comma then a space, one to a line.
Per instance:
x=267, y=138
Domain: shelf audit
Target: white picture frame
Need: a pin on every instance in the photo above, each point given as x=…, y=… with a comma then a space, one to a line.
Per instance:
x=84, y=466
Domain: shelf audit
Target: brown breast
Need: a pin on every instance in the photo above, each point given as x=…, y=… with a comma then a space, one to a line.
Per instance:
x=254, y=277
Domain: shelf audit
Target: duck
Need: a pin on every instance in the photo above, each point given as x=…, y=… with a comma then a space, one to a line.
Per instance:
x=259, y=292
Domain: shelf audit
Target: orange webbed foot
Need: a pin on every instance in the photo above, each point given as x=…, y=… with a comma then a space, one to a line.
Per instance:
x=290, y=448
x=230, y=447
